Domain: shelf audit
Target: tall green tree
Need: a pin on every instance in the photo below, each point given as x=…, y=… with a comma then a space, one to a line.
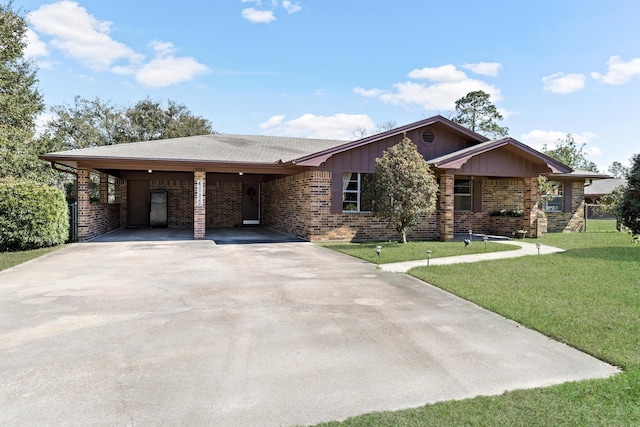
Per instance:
x=570, y=153
x=476, y=112
x=404, y=187
x=20, y=102
x=629, y=207
x=617, y=170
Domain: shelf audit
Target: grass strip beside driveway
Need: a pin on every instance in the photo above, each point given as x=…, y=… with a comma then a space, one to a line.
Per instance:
x=411, y=251
x=10, y=259
x=587, y=297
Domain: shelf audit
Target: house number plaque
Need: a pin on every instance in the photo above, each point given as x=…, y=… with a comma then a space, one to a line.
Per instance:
x=199, y=193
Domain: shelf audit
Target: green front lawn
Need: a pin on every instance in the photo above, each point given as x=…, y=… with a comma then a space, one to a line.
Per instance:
x=588, y=297
x=601, y=226
x=9, y=259
x=397, y=252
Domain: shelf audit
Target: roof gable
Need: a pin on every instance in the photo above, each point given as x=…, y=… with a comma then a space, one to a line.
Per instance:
x=316, y=159
x=459, y=159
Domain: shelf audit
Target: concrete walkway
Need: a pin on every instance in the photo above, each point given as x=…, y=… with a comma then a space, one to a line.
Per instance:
x=525, y=249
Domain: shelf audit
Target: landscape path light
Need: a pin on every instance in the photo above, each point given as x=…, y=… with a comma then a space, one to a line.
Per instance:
x=538, y=246
x=428, y=257
x=484, y=239
x=378, y=250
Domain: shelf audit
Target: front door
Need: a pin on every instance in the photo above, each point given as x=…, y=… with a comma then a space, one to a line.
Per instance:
x=250, y=204
x=137, y=203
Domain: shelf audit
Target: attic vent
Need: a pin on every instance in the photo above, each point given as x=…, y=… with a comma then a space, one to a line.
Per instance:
x=428, y=136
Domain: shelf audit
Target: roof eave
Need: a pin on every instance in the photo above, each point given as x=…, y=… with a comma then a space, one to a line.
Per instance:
x=173, y=164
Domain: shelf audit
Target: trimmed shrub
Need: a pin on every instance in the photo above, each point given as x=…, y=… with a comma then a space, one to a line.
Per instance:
x=32, y=215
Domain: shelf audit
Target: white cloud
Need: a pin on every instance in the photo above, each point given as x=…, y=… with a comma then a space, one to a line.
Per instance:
x=538, y=138
x=444, y=73
x=449, y=84
x=619, y=72
x=80, y=36
x=272, y=122
x=564, y=83
x=165, y=69
x=35, y=46
x=290, y=7
x=370, y=93
x=258, y=16
x=490, y=69
x=339, y=126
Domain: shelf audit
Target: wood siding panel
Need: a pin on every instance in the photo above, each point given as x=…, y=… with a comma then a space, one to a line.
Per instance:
x=362, y=159
x=502, y=163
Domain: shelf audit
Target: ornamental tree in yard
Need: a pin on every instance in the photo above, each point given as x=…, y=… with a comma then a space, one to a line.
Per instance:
x=629, y=207
x=404, y=187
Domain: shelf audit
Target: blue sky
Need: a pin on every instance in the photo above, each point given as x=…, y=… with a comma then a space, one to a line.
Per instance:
x=323, y=68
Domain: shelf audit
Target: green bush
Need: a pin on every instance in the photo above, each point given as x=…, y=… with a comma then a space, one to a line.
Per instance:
x=32, y=215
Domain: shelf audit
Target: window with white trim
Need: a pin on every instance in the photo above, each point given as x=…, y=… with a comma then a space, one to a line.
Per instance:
x=463, y=195
x=356, y=196
x=555, y=198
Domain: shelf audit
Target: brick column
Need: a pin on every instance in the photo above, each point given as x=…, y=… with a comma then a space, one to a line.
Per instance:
x=121, y=199
x=84, y=203
x=530, y=206
x=104, y=188
x=199, y=203
x=446, y=206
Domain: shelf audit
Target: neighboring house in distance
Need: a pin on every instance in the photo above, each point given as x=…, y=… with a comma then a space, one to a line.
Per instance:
x=314, y=188
x=594, y=190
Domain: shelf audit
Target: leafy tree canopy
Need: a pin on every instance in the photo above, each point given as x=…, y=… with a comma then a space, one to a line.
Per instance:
x=629, y=207
x=476, y=112
x=20, y=102
x=404, y=187
x=567, y=151
x=90, y=123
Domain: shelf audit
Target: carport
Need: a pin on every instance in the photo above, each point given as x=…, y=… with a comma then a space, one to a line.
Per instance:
x=210, y=180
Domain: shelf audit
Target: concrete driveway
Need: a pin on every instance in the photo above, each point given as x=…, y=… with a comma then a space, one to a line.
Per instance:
x=194, y=333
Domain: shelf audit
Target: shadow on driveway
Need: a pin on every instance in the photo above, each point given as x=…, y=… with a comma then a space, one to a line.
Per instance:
x=220, y=236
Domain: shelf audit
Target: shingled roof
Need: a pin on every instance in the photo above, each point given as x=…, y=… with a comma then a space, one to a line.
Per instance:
x=206, y=148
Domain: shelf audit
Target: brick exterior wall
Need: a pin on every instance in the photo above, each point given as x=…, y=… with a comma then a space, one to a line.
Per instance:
x=301, y=205
x=121, y=199
x=224, y=204
x=560, y=222
x=447, y=214
x=102, y=219
x=97, y=218
x=179, y=201
x=498, y=194
x=478, y=222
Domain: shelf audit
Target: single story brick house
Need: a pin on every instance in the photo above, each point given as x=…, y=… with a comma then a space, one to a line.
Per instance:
x=313, y=188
